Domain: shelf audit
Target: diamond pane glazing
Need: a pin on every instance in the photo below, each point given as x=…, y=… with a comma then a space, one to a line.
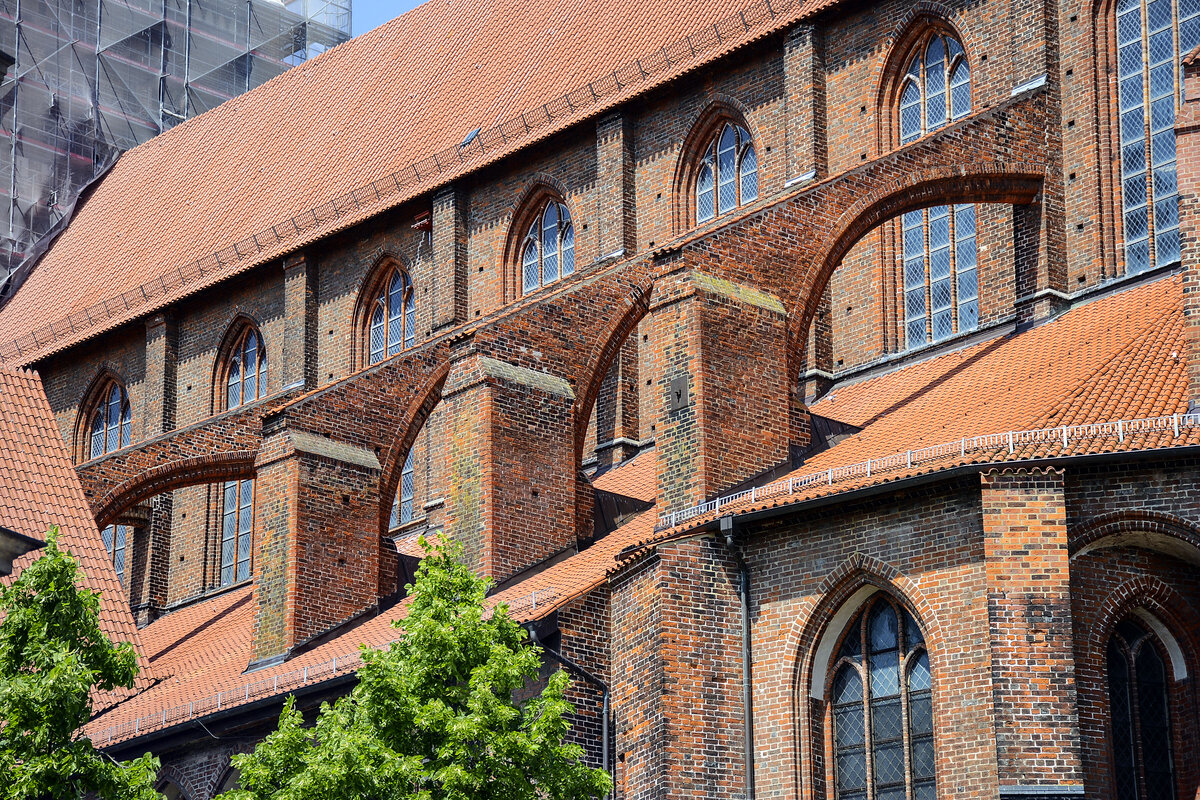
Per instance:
x=851, y=769
x=889, y=763
x=885, y=674
x=918, y=673
x=886, y=720
x=848, y=726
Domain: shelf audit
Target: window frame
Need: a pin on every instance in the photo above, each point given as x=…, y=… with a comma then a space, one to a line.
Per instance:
x=125, y=550
x=234, y=354
x=238, y=535
x=534, y=229
x=909, y=653
x=373, y=297
x=98, y=410
x=708, y=160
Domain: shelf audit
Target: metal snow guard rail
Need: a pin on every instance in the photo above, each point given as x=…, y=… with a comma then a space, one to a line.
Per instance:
x=275, y=684
x=734, y=28
x=991, y=442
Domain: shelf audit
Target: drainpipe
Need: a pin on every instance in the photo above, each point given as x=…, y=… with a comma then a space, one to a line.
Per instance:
x=592, y=679
x=747, y=661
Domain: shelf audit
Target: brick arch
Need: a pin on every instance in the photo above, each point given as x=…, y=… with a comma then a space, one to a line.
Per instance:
x=813, y=620
x=96, y=391
x=238, y=324
x=995, y=182
x=1155, y=530
x=412, y=420
x=169, y=774
x=918, y=21
x=176, y=474
x=375, y=278
x=1144, y=592
x=604, y=353
x=539, y=190
x=720, y=109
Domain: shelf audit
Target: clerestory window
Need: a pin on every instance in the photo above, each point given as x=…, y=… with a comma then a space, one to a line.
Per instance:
x=1152, y=38
x=1141, y=719
x=392, y=321
x=938, y=245
x=110, y=421
x=548, y=249
x=246, y=371
x=881, y=704
x=728, y=174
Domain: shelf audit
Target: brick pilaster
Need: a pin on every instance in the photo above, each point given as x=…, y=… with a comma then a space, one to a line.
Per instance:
x=1187, y=150
x=677, y=678
x=317, y=544
x=511, y=482
x=449, y=258
x=300, y=323
x=158, y=410
x=804, y=94
x=720, y=351
x=614, y=187
x=1029, y=612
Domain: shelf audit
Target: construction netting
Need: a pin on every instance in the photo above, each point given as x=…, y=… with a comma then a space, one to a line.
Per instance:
x=91, y=78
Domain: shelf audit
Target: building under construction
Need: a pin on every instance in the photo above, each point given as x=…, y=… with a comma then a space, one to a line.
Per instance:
x=88, y=79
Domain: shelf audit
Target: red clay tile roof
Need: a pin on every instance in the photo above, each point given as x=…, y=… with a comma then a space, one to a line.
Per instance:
x=39, y=488
x=368, y=115
x=200, y=653
x=1121, y=357
x=633, y=478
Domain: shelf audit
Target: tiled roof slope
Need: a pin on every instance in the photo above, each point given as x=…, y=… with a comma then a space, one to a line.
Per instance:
x=202, y=651
x=38, y=489
x=1121, y=357
x=379, y=104
x=633, y=478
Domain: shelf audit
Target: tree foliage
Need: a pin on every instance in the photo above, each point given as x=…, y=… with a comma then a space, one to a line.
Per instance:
x=433, y=716
x=53, y=654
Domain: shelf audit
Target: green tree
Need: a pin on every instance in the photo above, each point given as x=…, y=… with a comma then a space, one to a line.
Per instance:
x=433, y=716
x=52, y=656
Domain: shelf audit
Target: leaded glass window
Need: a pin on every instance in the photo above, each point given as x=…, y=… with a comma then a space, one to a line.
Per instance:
x=402, y=508
x=1152, y=38
x=392, y=326
x=881, y=703
x=938, y=249
x=111, y=422
x=548, y=252
x=116, y=542
x=237, y=526
x=728, y=174
x=1141, y=723
x=246, y=379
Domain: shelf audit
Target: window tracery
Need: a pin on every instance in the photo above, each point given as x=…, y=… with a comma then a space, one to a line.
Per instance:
x=938, y=245
x=246, y=369
x=1140, y=714
x=881, y=708
x=548, y=248
x=728, y=173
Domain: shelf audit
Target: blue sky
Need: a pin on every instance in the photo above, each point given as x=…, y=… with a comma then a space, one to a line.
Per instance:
x=368, y=14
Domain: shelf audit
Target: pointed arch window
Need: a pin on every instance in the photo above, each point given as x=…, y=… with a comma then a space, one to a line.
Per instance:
x=881, y=704
x=1153, y=36
x=246, y=373
x=392, y=323
x=938, y=245
x=237, y=529
x=548, y=249
x=116, y=542
x=1140, y=714
x=110, y=422
x=728, y=173
x=402, y=507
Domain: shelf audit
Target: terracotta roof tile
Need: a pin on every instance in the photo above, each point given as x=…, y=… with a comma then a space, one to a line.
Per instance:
x=252, y=170
x=202, y=651
x=39, y=488
x=1120, y=357
x=633, y=478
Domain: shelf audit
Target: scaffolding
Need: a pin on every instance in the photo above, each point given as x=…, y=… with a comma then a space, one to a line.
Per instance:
x=92, y=78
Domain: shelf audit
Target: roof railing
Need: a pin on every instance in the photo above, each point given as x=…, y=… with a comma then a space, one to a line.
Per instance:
x=737, y=26
x=1007, y=442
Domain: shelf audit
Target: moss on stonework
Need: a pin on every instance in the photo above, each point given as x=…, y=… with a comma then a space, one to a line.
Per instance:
x=719, y=286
